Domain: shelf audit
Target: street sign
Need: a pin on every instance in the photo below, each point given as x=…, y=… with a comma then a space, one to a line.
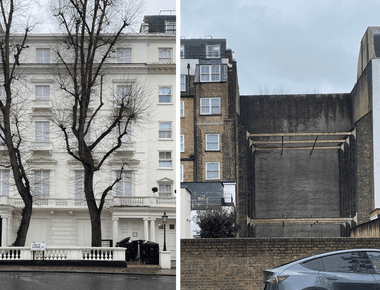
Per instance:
x=38, y=246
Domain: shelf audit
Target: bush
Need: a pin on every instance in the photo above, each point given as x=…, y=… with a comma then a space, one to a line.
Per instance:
x=217, y=222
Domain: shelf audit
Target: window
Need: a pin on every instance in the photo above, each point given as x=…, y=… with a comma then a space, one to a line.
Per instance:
x=213, y=50
x=127, y=136
x=42, y=131
x=124, y=55
x=165, y=95
x=79, y=184
x=351, y=262
x=212, y=142
x=182, y=143
x=181, y=173
x=42, y=183
x=210, y=106
x=212, y=170
x=165, y=130
x=183, y=83
x=210, y=73
x=124, y=186
x=170, y=27
x=42, y=92
x=165, y=159
x=182, y=51
x=43, y=55
x=165, y=189
x=123, y=92
x=164, y=55
x=182, y=109
x=4, y=181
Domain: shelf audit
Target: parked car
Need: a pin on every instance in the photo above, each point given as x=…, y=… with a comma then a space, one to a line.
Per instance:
x=357, y=269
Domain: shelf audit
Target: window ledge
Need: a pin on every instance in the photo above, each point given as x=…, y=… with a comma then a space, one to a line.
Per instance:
x=165, y=139
x=165, y=168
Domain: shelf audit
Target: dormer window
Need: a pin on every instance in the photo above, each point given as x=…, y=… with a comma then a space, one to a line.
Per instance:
x=213, y=51
x=170, y=27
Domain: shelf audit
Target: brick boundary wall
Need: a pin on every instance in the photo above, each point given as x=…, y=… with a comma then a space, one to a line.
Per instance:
x=238, y=263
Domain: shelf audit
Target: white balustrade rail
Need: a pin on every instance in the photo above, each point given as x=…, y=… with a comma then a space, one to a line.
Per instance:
x=63, y=253
x=156, y=201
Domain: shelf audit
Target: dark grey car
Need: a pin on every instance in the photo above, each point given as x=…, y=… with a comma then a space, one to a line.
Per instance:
x=342, y=270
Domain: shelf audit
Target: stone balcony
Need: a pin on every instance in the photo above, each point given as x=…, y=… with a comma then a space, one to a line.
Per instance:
x=67, y=203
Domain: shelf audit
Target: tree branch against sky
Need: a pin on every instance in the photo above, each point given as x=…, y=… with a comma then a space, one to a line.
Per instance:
x=13, y=19
x=92, y=30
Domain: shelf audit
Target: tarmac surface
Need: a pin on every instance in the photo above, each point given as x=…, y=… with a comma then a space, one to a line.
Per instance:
x=133, y=268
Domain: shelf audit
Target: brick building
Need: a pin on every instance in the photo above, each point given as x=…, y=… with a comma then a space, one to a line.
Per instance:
x=208, y=118
x=303, y=165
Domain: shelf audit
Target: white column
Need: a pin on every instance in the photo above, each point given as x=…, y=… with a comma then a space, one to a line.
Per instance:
x=4, y=232
x=115, y=230
x=146, y=230
x=152, y=230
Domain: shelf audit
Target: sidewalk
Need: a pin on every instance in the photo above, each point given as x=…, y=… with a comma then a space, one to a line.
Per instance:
x=133, y=268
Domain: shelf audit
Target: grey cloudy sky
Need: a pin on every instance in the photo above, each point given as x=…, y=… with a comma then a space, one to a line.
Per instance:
x=295, y=46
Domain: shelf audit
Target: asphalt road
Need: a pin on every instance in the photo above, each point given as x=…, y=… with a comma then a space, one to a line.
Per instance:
x=83, y=281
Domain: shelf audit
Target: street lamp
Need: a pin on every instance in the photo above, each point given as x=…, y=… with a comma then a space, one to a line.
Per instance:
x=164, y=221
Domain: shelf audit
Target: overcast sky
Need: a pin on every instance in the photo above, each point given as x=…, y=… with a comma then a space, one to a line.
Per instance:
x=294, y=46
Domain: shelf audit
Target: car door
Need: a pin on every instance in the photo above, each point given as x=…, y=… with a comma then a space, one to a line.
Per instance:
x=348, y=271
x=374, y=257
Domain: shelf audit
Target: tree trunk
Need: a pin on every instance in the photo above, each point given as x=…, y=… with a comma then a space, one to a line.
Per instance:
x=96, y=230
x=24, y=225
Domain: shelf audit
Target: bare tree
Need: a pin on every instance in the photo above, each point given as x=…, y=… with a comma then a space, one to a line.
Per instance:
x=92, y=29
x=11, y=48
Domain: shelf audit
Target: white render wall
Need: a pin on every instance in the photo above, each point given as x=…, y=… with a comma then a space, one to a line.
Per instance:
x=61, y=222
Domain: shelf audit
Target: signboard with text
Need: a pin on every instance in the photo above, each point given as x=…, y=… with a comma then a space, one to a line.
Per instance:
x=38, y=246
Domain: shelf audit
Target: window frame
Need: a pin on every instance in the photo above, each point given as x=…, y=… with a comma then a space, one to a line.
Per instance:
x=127, y=138
x=43, y=183
x=45, y=134
x=210, y=171
x=79, y=184
x=181, y=173
x=210, y=106
x=183, y=83
x=123, y=57
x=44, y=58
x=207, y=77
x=124, y=186
x=4, y=182
x=212, y=142
x=164, y=130
x=182, y=109
x=172, y=25
x=162, y=59
x=42, y=97
x=182, y=143
x=164, y=95
x=210, y=52
x=167, y=193
x=162, y=160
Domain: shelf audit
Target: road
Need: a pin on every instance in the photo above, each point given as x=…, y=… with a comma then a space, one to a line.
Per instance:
x=83, y=281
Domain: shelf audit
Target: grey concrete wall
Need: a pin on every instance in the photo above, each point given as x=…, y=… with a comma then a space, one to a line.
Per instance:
x=297, y=184
x=297, y=113
x=369, y=229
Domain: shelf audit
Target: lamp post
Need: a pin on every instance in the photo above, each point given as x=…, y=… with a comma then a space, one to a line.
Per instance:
x=164, y=221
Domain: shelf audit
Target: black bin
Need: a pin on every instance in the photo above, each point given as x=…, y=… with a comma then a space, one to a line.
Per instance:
x=149, y=253
x=125, y=243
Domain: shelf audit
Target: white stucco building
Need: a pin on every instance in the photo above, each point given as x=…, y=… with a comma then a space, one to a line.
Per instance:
x=134, y=209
